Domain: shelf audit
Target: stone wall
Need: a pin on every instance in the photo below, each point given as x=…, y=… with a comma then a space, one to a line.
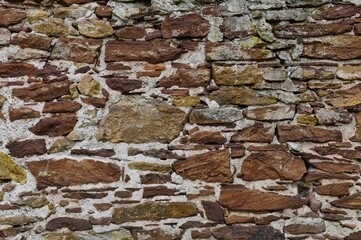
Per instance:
x=180, y=119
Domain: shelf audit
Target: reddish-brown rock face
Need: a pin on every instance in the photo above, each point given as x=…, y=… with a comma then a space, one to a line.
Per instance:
x=10, y=17
x=351, y=202
x=73, y=224
x=130, y=33
x=191, y=25
x=57, y=125
x=27, y=148
x=123, y=85
x=189, y=78
x=256, y=133
x=22, y=113
x=61, y=107
x=334, y=189
x=31, y=40
x=68, y=172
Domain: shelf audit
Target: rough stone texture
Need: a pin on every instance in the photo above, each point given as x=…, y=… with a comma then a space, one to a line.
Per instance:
x=10, y=171
x=95, y=28
x=247, y=232
x=73, y=224
x=236, y=75
x=29, y=147
x=31, y=40
x=11, y=17
x=58, y=125
x=55, y=27
x=351, y=202
x=189, y=78
x=272, y=113
x=215, y=116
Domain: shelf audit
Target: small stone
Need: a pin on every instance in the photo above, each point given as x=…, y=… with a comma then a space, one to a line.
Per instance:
x=61, y=107
x=73, y=224
x=31, y=40
x=272, y=113
x=153, y=178
x=332, y=117
x=237, y=231
x=286, y=15
x=129, y=32
x=215, y=116
x=308, y=73
x=237, y=27
x=10, y=171
x=191, y=25
x=60, y=145
x=155, y=153
x=29, y=147
x=188, y=101
x=351, y=202
x=256, y=133
x=57, y=125
x=95, y=28
x=33, y=202
x=36, y=15
x=187, y=78
x=123, y=85
x=18, y=220
x=304, y=226
x=349, y=72
x=70, y=12
x=346, y=98
x=88, y=86
x=206, y=137
x=55, y=27
x=5, y=36
x=307, y=120
x=330, y=12
x=104, y=11
x=154, y=167
x=213, y=211
x=101, y=152
x=149, y=192
x=274, y=74
x=22, y=113
x=334, y=189
x=236, y=75
x=9, y=17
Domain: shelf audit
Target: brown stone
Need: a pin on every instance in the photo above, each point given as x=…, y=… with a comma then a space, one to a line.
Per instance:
x=240, y=96
x=104, y=11
x=201, y=234
x=206, y=137
x=308, y=73
x=335, y=167
x=357, y=29
x=31, y=40
x=336, y=11
x=187, y=78
x=94, y=101
x=68, y=172
x=123, y=85
x=22, y=113
x=82, y=50
x=191, y=25
x=256, y=133
x=357, y=135
x=10, y=17
x=73, y=224
x=149, y=192
x=231, y=219
x=354, y=236
x=16, y=69
x=29, y=147
x=61, y=107
x=272, y=113
x=55, y=27
x=349, y=72
x=294, y=31
x=209, y=167
x=296, y=133
x=215, y=116
x=213, y=211
x=268, y=147
x=153, y=178
x=238, y=27
x=101, y=152
x=346, y=153
x=240, y=198
x=272, y=165
x=57, y=125
x=250, y=232
x=152, y=52
x=304, y=226
x=102, y=206
x=347, y=98
x=316, y=175
x=334, y=189
x=155, y=153
x=352, y=202
x=236, y=75
x=130, y=32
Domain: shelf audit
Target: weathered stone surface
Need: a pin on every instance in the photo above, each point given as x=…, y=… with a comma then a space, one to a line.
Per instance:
x=104, y=11
x=31, y=40
x=357, y=135
x=332, y=117
x=73, y=224
x=256, y=133
x=69, y=172
x=102, y=152
x=88, y=86
x=334, y=189
x=240, y=198
x=10, y=17
x=337, y=11
x=274, y=74
x=129, y=32
x=55, y=27
x=22, y=113
x=272, y=113
x=205, y=137
x=349, y=72
x=29, y=147
x=187, y=101
x=149, y=192
x=304, y=226
x=317, y=175
x=352, y=202
x=77, y=49
x=154, y=167
x=336, y=167
x=237, y=27
x=153, y=52
x=191, y=25
x=61, y=144
x=295, y=133
x=236, y=74
x=294, y=31
x=189, y=78
x=215, y=116
x=124, y=85
x=140, y=120
x=10, y=171
x=5, y=36
x=240, y=96
x=238, y=231
x=272, y=165
x=339, y=47
x=33, y=202
x=149, y=211
x=70, y=12
x=293, y=15
x=95, y=28
x=209, y=167
x=18, y=220
x=308, y=73
x=57, y=125
x=213, y=211
x=61, y=107
x=153, y=178
x=155, y=153
x=17, y=69
x=350, y=97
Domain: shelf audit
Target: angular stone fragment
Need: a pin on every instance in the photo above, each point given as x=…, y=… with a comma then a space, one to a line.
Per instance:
x=61, y=144
x=332, y=117
x=256, y=133
x=334, y=189
x=88, y=86
x=209, y=167
x=304, y=226
x=31, y=40
x=102, y=152
x=5, y=36
x=70, y=12
x=237, y=27
x=104, y=11
x=29, y=147
x=349, y=72
x=69, y=172
x=123, y=85
x=251, y=232
x=55, y=27
x=22, y=113
x=336, y=167
x=236, y=75
x=10, y=17
x=240, y=96
x=61, y=107
x=316, y=175
x=95, y=28
x=295, y=133
x=149, y=192
x=149, y=211
x=16, y=69
x=33, y=202
x=77, y=49
x=187, y=101
x=215, y=116
x=352, y=202
x=191, y=25
x=213, y=211
x=294, y=15
x=272, y=113
x=274, y=74
x=272, y=165
x=130, y=32
x=240, y=198
x=336, y=11
x=188, y=78
x=10, y=171
x=73, y=224
x=57, y=125
x=153, y=178
x=205, y=137
x=140, y=120
x=154, y=167
x=308, y=73
x=18, y=220
x=350, y=97
x=357, y=135
x=153, y=52
x=156, y=153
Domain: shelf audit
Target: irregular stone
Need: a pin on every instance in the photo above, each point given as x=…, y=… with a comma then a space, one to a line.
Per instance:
x=209, y=167
x=33, y=202
x=10, y=171
x=188, y=101
x=215, y=116
x=256, y=133
x=334, y=189
x=95, y=28
x=9, y=17
x=77, y=49
x=205, y=137
x=307, y=120
x=306, y=3
x=336, y=11
x=272, y=113
x=31, y=40
x=60, y=145
x=123, y=85
x=140, y=120
x=238, y=231
x=240, y=198
x=130, y=32
x=236, y=75
x=304, y=226
x=61, y=107
x=191, y=25
x=349, y=72
x=350, y=97
x=28, y=147
x=22, y=113
x=295, y=133
x=69, y=172
x=308, y=73
x=294, y=31
x=240, y=96
x=188, y=78
x=55, y=27
x=357, y=135
x=18, y=220
x=156, y=233
x=155, y=153
x=354, y=236
x=201, y=234
x=94, y=101
x=316, y=175
x=274, y=74
x=237, y=27
x=213, y=211
x=101, y=152
x=351, y=202
x=88, y=86
x=273, y=165
x=149, y=192
x=57, y=125
x=104, y=11
x=154, y=167
x=265, y=4
x=37, y=15
x=293, y=15
x=332, y=117
x=150, y=211
x=323, y=85
x=153, y=178
x=152, y=52
x=70, y=12
x=336, y=167
x=73, y=224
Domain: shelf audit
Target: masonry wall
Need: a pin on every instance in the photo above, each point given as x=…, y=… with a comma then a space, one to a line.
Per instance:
x=180, y=119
